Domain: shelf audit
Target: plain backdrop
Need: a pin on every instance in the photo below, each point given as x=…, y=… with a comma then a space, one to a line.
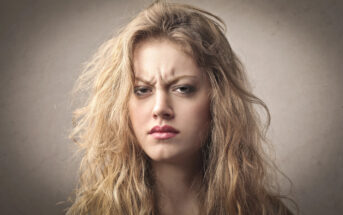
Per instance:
x=292, y=51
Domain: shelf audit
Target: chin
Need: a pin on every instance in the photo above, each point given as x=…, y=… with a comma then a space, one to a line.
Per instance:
x=166, y=154
x=162, y=156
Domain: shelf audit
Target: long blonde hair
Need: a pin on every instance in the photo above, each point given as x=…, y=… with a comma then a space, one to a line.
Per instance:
x=115, y=175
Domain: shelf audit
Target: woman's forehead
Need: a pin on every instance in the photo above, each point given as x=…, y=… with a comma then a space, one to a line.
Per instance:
x=163, y=60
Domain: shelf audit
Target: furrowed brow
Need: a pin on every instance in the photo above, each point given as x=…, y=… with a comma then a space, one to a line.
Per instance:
x=176, y=79
x=143, y=80
x=167, y=82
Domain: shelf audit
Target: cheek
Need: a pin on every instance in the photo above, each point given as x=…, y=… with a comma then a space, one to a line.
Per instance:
x=197, y=115
x=203, y=119
x=139, y=116
x=134, y=117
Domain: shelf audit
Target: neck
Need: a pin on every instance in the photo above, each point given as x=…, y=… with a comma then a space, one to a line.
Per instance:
x=177, y=185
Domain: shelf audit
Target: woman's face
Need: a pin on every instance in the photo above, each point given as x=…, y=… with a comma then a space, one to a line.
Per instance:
x=170, y=90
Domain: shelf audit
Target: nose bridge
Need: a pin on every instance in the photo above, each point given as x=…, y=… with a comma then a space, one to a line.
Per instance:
x=162, y=106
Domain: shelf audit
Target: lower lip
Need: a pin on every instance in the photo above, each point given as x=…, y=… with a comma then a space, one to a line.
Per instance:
x=163, y=135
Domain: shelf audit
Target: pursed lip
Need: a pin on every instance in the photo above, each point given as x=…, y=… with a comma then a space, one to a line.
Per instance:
x=163, y=129
x=163, y=132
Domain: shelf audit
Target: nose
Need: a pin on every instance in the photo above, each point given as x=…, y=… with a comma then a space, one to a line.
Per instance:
x=162, y=107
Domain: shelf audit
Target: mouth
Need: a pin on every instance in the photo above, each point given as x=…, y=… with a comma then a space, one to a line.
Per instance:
x=163, y=132
x=163, y=135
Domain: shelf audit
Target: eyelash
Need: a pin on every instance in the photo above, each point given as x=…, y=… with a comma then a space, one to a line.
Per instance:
x=137, y=89
x=189, y=90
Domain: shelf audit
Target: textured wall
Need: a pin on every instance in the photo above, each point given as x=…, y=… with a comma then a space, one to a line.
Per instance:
x=292, y=51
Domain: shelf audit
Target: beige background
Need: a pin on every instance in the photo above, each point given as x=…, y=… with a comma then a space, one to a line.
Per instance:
x=292, y=51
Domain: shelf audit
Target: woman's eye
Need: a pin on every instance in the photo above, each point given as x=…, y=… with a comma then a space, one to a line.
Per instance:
x=185, y=89
x=140, y=91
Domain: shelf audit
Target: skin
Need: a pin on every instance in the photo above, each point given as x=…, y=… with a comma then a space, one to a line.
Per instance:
x=170, y=89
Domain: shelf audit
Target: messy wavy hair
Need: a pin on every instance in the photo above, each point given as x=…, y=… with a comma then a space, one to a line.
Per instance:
x=115, y=175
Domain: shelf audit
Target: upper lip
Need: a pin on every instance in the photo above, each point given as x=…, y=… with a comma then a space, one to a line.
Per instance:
x=165, y=128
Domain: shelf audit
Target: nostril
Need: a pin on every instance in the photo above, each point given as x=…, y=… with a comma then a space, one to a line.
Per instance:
x=167, y=115
x=164, y=115
x=162, y=107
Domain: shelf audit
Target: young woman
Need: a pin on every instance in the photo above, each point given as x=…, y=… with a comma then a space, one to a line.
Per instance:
x=170, y=125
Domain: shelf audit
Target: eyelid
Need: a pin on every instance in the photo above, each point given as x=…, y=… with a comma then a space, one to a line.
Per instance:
x=190, y=88
x=137, y=88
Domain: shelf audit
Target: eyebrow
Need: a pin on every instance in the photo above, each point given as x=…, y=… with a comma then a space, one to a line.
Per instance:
x=168, y=82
